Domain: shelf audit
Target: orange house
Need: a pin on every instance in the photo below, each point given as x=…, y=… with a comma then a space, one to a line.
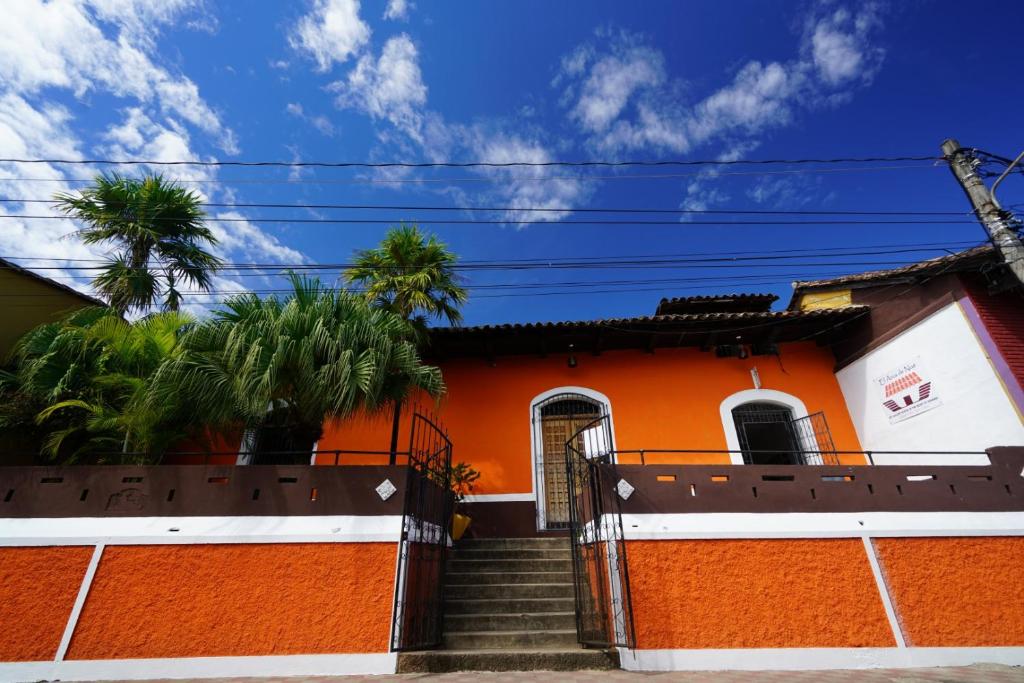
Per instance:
x=704, y=380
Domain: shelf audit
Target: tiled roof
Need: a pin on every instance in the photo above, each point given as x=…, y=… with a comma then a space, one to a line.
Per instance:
x=655, y=320
x=963, y=260
x=721, y=303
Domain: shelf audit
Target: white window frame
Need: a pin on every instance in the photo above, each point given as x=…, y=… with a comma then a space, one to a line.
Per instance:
x=537, y=445
x=779, y=398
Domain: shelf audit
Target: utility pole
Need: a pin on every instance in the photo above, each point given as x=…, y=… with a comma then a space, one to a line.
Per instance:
x=987, y=209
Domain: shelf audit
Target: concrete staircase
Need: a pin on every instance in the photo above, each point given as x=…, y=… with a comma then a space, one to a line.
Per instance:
x=509, y=606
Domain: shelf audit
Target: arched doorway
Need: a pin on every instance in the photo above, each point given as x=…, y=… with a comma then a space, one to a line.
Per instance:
x=556, y=416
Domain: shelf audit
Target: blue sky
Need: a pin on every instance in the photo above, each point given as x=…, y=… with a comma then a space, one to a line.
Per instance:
x=526, y=80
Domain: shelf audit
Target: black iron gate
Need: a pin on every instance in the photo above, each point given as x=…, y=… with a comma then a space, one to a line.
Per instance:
x=604, y=612
x=423, y=552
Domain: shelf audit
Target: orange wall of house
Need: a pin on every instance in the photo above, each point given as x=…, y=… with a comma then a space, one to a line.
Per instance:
x=755, y=594
x=669, y=399
x=956, y=592
x=38, y=587
x=233, y=600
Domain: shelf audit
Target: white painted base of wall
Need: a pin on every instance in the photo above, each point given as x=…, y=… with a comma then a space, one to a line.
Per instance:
x=200, y=667
x=813, y=659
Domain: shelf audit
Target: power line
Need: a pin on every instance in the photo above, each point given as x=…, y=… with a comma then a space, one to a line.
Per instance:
x=466, y=164
x=512, y=221
x=547, y=209
x=913, y=246
x=486, y=179
x=252, y=270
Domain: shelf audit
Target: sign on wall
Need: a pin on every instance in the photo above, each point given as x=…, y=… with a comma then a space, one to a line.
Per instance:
x=906, y=391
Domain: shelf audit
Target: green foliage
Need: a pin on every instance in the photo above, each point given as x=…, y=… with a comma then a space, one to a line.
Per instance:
x=463, y=480
x=318, y=353
x=411, y=275
x=159, y=235
x=83, y=380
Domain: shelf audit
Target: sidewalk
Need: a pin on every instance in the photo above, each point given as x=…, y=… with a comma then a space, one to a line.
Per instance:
x=983, y=673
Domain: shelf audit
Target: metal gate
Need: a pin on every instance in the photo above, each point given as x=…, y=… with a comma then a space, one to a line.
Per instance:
x=423, y=554
x=604, y=611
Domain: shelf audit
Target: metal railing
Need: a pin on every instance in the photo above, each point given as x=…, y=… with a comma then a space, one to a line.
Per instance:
x=715, y=456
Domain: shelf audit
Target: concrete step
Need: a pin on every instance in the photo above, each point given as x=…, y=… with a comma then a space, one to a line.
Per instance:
x=456, y=577
x=524, y=621
x=513, y=554
x=459, y=565
x=444, y=661
x=508, y=591
x=510, y=605
x=499, y=640
x=510, y=543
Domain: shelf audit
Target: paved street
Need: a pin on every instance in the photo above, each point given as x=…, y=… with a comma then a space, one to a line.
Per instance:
x=970, y=674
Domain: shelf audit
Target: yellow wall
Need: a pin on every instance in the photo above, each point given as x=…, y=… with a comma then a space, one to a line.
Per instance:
x=27, y=302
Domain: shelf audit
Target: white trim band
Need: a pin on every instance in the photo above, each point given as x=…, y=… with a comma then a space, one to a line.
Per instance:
x=814, y=659
x=500, y=498
x=201, y=667
x=820, y=524
x=180, y=530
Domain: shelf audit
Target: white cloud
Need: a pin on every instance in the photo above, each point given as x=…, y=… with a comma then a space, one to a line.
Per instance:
x=105, y=47
x=320, y=122
x=612, y=81
x=840, y=44
x=332, y=32
x=239, y=236
x=63, y=45
x=518, y=187
x=389, y=87
x=397, y=10
x=620, y=99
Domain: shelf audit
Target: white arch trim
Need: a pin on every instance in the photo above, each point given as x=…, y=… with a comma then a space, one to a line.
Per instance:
x=732, y=437
x=537, y=447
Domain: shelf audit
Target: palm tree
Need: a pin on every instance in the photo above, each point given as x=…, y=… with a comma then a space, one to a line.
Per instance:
x=85, y=377
x=413, y=276
x=290, y=364
x=159, y=237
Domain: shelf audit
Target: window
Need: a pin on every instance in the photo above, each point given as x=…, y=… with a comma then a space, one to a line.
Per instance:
x=278, y=441
x=766, y=434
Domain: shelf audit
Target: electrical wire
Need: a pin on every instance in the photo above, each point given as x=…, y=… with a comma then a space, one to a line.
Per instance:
x=513, y=221
x=466, y=164
x=546, y=209
x=494, y=178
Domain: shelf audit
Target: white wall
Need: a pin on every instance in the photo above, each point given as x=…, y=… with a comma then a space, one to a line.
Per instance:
x=973, y=411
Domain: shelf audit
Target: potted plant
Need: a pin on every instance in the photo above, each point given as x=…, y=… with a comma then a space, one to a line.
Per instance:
x=463, y=479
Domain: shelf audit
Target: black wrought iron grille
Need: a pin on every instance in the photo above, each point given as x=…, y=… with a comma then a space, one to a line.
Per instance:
x=559, y=418
x=604, y=613
x=423, y=553
x=815, y=439
x=770, y=435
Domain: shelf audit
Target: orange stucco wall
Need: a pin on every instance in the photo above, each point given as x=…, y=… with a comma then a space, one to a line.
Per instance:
x=232, y=600
x=38, y=587
x=755, y=593
x=956, y=592
x=669, y=400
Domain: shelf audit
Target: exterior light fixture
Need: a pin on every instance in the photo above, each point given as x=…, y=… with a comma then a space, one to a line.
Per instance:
x=572, y=356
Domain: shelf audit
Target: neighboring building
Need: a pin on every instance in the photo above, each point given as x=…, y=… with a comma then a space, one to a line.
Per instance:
x=28, y=299
x=937, y=362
